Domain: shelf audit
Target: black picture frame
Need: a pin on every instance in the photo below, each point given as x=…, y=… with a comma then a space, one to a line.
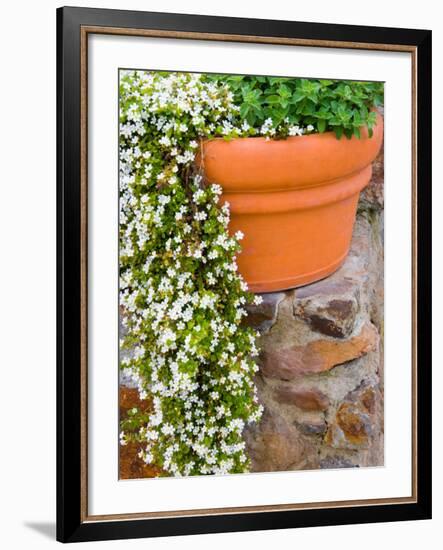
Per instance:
x=71, y=523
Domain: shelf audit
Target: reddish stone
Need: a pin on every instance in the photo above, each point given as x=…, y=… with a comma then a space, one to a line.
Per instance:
x=368, y=400
x=276, y=445
x=309, y=399
x=131, y=466
x=354, y=423
x=318, y=355
x=351, y=428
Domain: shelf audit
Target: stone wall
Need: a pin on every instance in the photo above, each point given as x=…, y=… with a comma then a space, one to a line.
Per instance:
x=321, y=362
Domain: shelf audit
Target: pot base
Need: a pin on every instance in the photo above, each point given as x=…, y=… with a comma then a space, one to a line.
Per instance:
x=296, y=281
x=283, y=250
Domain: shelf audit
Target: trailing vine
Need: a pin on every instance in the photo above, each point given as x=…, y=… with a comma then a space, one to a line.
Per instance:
x=182, y=295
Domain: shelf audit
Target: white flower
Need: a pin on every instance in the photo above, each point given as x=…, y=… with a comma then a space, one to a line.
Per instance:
x=216, y=189
x=201, y=216
x=165, y=141
x=164, y=199
x=167, y=429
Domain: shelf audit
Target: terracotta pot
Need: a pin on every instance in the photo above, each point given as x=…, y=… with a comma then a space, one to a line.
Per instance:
x=294, y=199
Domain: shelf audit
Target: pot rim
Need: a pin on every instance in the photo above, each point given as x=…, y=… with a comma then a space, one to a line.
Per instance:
x=257, y=164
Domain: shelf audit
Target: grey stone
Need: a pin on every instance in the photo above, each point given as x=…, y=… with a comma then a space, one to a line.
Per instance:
x=314, y=427
x=372, y=197
x=333, y=462
x=263, y=316
x=328, y=315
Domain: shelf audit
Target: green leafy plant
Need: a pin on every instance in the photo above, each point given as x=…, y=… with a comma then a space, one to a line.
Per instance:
x=322, y=105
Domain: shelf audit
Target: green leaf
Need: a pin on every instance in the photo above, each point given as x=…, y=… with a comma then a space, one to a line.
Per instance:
x=321, y=125
x=338, y=132
x=297, y=96
x=273, y=99
x=251, y=117
x=244, y=109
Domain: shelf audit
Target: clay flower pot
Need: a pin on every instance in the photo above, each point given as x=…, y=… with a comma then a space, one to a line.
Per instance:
x=295, y=201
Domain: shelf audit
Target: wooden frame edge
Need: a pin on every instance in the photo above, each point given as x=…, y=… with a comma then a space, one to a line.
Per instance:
x=282, y=41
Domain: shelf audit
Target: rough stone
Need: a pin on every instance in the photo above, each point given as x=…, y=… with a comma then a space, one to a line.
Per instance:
x=308, y=399
x=357, y=420
x=275, y=445
x=316, y=426
x=332, y=317
x=263, y=316
x=342, y=379
x=364, y=395
x=318, y=355
x=368, y=400
x=352, y=428
x=127, y=380
x=334, y=462
x=373, y=195
x=325, y=288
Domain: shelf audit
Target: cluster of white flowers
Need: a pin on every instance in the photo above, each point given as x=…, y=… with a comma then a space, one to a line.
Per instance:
x=269, y=130
x=299, y=131
x=182, y=295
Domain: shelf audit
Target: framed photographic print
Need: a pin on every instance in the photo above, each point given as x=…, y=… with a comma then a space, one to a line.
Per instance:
x=244, y=280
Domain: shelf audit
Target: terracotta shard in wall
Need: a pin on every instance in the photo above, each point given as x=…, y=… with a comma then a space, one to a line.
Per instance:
x=318, y=355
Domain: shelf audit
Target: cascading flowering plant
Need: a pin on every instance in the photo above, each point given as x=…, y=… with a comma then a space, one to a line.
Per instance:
x=182, y=295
